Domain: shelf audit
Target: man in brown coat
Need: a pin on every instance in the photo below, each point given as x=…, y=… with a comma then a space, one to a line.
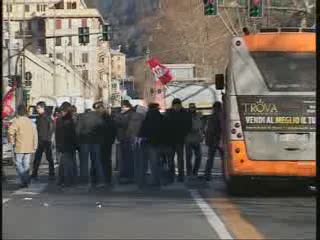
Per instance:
x=24, y=138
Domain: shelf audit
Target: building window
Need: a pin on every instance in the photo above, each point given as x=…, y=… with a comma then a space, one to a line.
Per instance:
x=38, y=8
x=69, y=41
x=41, y=45
x=84, y=22
x=58, y=41
x=40, y=25
x=85, y=75
x=29, y=26
x=10, y=7
x=85, y=58
x=20, y=27
x=58, y=24
x=69, y=5
x=70, y=23
x=70, y=58
x=5, y=26
x=27, y=8
x=119, y=67
x=59, y=56
x=59, y=5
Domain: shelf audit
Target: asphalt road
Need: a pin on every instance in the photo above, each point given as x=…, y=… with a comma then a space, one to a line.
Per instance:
x=193, y=210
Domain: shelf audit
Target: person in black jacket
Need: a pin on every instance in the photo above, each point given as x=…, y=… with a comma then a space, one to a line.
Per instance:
x=213, y=137
x=45, y=130
x=90, y=129
x=179, y=123
x=106, y=145
x=152, y=133
x=66, y=145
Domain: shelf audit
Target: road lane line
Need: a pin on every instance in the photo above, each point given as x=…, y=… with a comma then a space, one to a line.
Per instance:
x=5, y=200
x=211, y=216
x=238, y=225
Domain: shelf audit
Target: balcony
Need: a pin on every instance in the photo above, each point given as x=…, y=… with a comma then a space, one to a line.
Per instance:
x=23, y=34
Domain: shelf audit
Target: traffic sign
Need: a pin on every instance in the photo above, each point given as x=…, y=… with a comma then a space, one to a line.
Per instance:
x=28, y=76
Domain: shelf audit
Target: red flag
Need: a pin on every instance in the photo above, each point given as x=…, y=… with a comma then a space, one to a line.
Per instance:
x=7, y=104
x=160, y=72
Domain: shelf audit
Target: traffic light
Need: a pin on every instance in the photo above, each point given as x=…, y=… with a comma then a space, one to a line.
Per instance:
x=106, y=32
x=15, y=81
x=28, y=83
x=210, y=7
x=255, y=8
x=84, y=35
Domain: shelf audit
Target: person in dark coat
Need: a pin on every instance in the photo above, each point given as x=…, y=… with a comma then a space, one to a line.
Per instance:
x=193, y=142
x=106, y=146
x=45, y=131
x=179, y=123
x=128, y=124
x=213, y=137
x=66, y=146
x=152, y=133
x=90, y=129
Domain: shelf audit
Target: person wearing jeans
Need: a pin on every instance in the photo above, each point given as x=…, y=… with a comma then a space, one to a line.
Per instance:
x=152, y=133
x=213, y=137
x=90, y=130
x=94, y=152
x=24, y=138
x=193, y=142
x=66, y=145
x=128, y=124
x=45, y=131
x=179, y=123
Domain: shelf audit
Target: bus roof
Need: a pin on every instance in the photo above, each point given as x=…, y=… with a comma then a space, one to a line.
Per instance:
x=281, y=42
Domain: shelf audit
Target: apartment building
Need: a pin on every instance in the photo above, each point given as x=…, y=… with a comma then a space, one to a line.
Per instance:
x=43, y=26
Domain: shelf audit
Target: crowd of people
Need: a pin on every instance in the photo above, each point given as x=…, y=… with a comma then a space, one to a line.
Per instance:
x=148, y=139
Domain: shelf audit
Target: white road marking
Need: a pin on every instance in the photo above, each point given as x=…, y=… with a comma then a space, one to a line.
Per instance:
x=5, y=200
x=213, y=219
x=33, y=189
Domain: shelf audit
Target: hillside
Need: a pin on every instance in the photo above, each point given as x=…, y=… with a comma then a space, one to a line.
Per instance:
x=176, y=31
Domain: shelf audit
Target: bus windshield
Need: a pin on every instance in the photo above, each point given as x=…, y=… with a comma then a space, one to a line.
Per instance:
x=283, y=71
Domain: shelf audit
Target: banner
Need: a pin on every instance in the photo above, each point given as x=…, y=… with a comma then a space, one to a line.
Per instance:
x=277, y=113
x=8, y=110
x=161, y=73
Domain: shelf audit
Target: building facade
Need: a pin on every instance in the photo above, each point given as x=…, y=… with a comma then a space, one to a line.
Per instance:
x=50, y=28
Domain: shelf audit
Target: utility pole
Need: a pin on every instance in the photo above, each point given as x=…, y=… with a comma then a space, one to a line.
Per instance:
x=109, y=81
x=54, y=52
x=146, y=88
x=9, y=39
